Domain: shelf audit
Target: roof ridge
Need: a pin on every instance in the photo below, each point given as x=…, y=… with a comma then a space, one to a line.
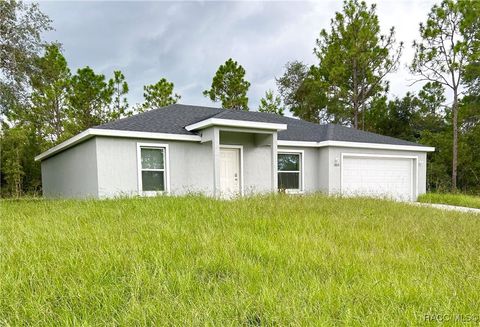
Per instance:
x=270, y=114
x=212, y=116
x=135, y=115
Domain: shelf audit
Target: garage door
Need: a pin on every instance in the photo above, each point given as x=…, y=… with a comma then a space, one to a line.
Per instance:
x=390, y=177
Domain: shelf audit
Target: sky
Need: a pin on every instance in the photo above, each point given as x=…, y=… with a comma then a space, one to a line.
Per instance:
x=185, y=42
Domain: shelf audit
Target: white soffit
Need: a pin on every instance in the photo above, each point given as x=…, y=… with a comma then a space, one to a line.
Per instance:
x=91, y=132
x=356, y=145
x=235, y=123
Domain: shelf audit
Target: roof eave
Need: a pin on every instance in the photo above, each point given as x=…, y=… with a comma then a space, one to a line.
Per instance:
x=83, y=136
x=92, y=132
x=365, y=145
x=235, y=123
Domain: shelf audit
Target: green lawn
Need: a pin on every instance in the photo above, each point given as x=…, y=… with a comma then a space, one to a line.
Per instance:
x=280, y=260
x=462, y=200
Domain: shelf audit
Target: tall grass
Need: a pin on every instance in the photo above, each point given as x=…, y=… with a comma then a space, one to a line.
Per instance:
x=462, y=200
x=283, y=260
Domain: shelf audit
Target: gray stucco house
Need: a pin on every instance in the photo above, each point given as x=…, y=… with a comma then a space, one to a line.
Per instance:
x=183, y=149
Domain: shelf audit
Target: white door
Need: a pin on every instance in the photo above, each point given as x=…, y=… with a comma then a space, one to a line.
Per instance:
x=229, y=172
x=388, y=177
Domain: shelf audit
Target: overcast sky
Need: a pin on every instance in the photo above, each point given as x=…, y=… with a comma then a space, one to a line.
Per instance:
x=185, y=42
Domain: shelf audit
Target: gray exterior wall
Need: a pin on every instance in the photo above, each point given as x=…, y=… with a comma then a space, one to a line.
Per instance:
x=257, y=161
x=71, y=173
x=107, y=166
x=190, y=166
x=323, y=170
x=322, y=175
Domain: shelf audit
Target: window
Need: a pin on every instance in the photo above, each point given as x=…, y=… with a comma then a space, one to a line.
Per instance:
x=289, y=171
x=152, y=168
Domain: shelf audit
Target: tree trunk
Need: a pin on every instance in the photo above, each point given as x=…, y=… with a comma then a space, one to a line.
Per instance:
x=17, y=176
x=363, y=118
x=455, y=140
x=355, y=94
x=355, y=121
x=57, y=120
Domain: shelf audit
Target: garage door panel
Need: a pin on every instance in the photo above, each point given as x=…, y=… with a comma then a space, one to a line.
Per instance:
x=378, y=177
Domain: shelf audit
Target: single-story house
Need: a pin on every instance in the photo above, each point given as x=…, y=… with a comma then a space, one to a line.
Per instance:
x=181, y=149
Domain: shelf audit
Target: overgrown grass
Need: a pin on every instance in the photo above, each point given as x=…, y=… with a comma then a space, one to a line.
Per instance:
x=462, y=200
x=283, y=260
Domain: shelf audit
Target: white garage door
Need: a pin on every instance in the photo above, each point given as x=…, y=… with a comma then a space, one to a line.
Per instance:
x=390, y=177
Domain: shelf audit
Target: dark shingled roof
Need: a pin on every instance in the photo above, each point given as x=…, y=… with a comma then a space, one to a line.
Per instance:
x=173, y=119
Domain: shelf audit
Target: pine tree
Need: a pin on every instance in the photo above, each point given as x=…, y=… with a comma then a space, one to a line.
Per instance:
x=229, y=86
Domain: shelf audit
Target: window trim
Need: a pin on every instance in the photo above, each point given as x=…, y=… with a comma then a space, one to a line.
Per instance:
x=166, y=168
x=301, y=172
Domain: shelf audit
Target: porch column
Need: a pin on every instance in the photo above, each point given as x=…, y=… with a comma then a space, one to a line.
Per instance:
x=216, y=161
x=274, y=163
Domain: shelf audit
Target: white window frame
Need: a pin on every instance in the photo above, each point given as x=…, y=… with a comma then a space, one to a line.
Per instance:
x=301, y=172
x=166, y=170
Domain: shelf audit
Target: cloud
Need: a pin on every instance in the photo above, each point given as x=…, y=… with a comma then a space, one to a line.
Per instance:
x=185, y=42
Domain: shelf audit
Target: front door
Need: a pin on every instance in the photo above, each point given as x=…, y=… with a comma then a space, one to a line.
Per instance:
x=229, y=172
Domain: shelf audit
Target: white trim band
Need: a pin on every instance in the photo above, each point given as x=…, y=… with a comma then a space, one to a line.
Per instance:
x=235, y=123
x=356, y=145
x=145, y=135
x=91, y=132
x=306, y=144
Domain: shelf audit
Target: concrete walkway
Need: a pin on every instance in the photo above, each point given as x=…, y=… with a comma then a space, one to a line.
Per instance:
x=447, y=207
